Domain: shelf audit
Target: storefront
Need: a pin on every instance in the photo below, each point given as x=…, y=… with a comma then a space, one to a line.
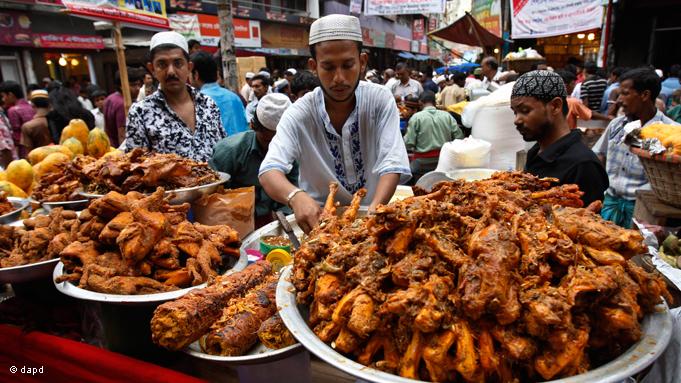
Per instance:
x=558, y=49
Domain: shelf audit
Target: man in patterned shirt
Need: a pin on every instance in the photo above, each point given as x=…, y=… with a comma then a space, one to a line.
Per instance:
x=638, y=90
x=176, y=118
x=345, y=131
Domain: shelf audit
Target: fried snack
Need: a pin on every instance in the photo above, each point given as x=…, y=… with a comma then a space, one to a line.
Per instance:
x=41, y=239
x=5, y=205
x=177, y=324
x=143, y=171
x=62, y=184
x=138, y=244
x=274, y=334
x=500, y=280
x=237, y=330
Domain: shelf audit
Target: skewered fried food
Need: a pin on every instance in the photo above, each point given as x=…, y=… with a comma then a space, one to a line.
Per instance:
x=178, y=323
x=504, y=279
x=237, y=329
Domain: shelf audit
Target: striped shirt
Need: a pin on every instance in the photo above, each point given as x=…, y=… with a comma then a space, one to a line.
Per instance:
x=625, y=172
x=592, y=91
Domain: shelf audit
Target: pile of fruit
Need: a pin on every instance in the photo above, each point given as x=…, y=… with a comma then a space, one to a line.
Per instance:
x=669, y=136
x=21, y=176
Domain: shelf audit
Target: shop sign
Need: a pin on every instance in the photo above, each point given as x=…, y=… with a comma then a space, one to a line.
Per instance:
x=488, y=14
x=417, y=30
x=401, y=44
x=149, y=13
x=366, y=37
x=542, y=18
x=423, y=48
x=284, y=36
x=379, y=38
x=186, y=24
x=57, y=40
x=15, y=30
x=403, y=7
x=432, y=23
x=414, y=46
x=246, y=33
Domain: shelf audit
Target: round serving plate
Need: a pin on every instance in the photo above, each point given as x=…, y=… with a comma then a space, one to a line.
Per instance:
x=27, y=273
x=66, y=205
x=72, y=290
x=473, y=174
x=19, y=205
x=656, y=332
x=180, y=196
x=258, y=354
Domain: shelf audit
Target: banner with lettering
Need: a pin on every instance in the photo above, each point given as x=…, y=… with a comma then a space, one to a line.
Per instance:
x=544, y=18
x=403, y=7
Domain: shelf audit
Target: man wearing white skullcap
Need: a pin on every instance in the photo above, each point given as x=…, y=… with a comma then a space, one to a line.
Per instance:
x=177, y=118
x=240, y=155
x=344, y=131
x=246, y=90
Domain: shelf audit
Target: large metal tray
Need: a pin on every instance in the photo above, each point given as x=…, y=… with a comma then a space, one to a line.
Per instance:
x=19, y=205
x=27, y=273
x=74, y=291
x=66, y=205
x=257, y=355
x=180, y=196
x=656, y=328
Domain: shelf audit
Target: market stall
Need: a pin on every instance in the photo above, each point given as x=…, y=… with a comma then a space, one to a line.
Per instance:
x=488, y=275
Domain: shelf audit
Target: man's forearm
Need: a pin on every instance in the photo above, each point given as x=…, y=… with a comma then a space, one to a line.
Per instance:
x=276, y=185
x=385, y=188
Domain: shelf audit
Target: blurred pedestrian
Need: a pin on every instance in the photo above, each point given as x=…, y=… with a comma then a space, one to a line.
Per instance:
x=114, y=106
x=36, y=133
x=18, y=110
x=98, y=97
x=65, y=107
x=303, y=82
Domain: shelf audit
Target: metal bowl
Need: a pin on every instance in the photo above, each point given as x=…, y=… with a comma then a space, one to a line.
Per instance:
x=19, y=205
x=27, y=273
x=656, y=329
x=180, y=196
x=428, y=180
x=72, y=290
x=66, y=205
x=257, y=355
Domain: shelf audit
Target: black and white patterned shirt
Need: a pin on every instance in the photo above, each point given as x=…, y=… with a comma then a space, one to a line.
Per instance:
x=154, y=125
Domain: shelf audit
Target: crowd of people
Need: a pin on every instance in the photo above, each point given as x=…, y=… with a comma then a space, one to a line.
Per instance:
x=289, y=133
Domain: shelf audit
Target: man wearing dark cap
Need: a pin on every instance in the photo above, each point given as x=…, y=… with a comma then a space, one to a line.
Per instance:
x=539, y=103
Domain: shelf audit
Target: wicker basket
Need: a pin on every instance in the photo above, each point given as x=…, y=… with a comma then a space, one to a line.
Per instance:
x=664, y=174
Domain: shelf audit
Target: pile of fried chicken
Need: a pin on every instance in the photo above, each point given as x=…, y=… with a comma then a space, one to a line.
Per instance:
x=40, y=239
x=63, y=184
x=505, y=279
x=143, y=171
x=5, y=205
x=137, y=244
x=228, y=317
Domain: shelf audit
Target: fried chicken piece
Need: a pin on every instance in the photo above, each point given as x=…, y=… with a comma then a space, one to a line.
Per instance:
x=109, y=205
x=363, y=320
x=187, y=239
x=103, y=280
x=380, y=341
x=221, y=236
x=436, y=355
x=567, y=348
x=165, y=255
x=113, y=229
x=409, y=363
x=139, y=238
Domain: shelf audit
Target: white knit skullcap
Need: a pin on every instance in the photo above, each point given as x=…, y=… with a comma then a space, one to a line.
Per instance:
x=169, y=37
x=335, y=27
x=270, y=109
x=292, y=71
x=250, y=75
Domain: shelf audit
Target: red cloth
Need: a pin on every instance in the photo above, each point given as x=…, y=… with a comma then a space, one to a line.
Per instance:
x=430, y=154
x=65, y=360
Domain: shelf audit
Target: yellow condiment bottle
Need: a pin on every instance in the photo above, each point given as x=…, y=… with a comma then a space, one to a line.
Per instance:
x=279, y=258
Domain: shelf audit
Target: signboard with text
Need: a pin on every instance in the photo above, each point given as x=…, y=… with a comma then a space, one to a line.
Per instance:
x=418, y=29
x=403, y=7
x=149, y=13
x=488, y=14
x=206, y=29
x=538, y=18
x=15, y=30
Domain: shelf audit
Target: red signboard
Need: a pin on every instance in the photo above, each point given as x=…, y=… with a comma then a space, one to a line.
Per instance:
x=150, y=13
x=402, y=44
x=418, y=29
x=15, y=30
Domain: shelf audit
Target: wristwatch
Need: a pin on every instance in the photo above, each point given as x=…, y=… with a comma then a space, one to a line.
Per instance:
x=292, y=194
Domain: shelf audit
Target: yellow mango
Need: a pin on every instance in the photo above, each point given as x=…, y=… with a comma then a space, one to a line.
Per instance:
x=12, y=190
x=97, y=143
x=20, y=173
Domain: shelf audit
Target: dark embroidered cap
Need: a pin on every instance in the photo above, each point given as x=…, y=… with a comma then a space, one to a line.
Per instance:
x=540, y=84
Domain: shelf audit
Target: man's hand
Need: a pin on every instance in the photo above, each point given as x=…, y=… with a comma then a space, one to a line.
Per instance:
x=306, y=210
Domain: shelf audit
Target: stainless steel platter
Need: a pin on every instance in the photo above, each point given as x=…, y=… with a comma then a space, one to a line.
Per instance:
x=180, y=196
x=656, y=329
x=19, y=205
x=257, y=355
x=27, y=273
x=72, y=290
x=66, y=205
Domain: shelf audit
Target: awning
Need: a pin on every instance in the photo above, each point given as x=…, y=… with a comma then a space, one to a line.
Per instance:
x=406, y=55
x=303, y=52
x=422, y=57
x=464, y=68
x=466, y=30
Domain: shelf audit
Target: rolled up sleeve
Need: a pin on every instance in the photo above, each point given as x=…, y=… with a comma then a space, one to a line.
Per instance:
x=283, y=150
x=392, y=153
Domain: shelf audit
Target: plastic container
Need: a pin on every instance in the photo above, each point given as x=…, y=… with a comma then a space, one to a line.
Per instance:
x=279, y=258
x=265, y=248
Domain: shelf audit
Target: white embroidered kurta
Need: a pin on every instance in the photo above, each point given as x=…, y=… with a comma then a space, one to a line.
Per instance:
x=370, y=144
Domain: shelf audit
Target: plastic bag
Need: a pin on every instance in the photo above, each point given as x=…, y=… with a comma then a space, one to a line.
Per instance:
x=233, y=207
x=467, y=153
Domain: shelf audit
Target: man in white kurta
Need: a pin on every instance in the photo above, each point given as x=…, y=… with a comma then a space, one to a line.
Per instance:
x=345, y=131
x=370, y=145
